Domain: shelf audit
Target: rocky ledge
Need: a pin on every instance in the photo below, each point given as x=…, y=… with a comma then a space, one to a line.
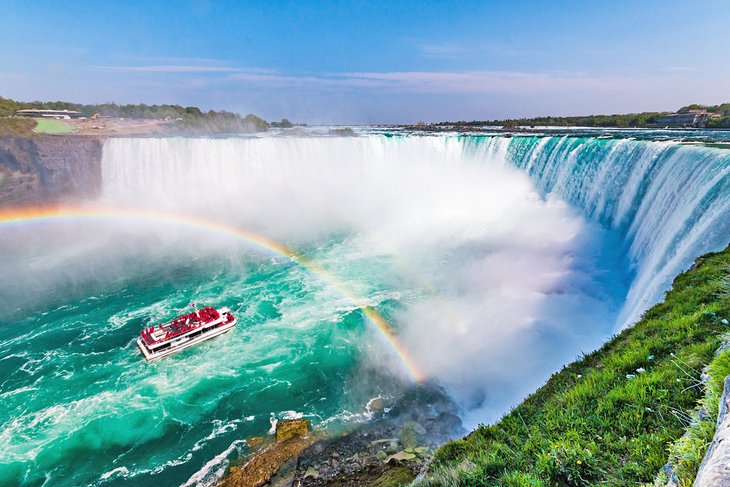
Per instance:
x=715, y=467
x=389, y=450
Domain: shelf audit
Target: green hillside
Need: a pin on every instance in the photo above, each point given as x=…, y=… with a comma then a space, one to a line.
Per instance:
x=188, y=118
x=617, y=120
x=615, y=416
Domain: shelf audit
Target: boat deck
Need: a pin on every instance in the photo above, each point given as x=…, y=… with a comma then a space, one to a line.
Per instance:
x=179, y=326
x=161, y=340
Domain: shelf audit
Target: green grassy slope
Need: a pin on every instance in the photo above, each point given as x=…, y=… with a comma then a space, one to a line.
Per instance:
x=52, y=127
x=612, y=417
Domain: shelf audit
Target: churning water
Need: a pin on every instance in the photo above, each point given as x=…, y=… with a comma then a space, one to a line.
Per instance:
x=495, y=259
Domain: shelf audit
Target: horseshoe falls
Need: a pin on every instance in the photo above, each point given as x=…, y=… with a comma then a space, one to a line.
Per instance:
x=668, y=202
x=496, y=260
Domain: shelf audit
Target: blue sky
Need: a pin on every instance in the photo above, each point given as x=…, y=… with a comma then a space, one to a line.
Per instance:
x=371, y=62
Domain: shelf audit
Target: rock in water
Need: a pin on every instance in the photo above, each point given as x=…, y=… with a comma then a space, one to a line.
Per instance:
x=376, y=405
x=297, y=428
x=255, y=441
x=277, y=463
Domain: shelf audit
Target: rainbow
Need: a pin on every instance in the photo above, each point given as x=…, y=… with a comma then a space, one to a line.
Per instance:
x=20, y=216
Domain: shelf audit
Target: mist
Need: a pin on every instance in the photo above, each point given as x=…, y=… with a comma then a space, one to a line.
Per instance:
x=498, y=285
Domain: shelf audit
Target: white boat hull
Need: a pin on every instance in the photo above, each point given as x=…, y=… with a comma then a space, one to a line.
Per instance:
x=183, y=342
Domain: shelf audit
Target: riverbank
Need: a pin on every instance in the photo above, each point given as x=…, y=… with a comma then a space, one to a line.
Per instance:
x=122, y=127
x=617, y=182
x=640, y=410
x=392, y=448
x=118, y=127
x=612, y=416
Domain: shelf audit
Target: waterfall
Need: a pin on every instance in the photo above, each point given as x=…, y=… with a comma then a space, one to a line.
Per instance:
x=669, y=202
x=496, y=260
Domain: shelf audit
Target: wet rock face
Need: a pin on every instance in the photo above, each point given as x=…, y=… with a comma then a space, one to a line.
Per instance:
x=714, y=469
x=277, y=463
x=46, y=170
x=389, y=450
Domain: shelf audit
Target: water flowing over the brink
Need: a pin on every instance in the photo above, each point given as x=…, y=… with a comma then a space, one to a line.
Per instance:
x=669, y=201
x=495, y=259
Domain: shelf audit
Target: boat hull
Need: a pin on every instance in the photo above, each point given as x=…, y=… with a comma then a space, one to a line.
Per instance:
x=183, y=342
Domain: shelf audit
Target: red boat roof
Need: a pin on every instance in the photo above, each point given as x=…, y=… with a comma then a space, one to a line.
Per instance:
x=181, y=324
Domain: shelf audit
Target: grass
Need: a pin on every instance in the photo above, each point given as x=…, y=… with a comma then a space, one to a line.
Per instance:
x=395, y=477
x=45, y=126
x=17, y=127
x=616, y=416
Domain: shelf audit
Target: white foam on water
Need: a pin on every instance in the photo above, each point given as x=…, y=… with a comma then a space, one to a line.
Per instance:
x=290, y=415
x=273, y=421
x=492, y=278
x=19, y=390
x=485, y=265
x=220, y=428
x=213, y=471
x=117, y=472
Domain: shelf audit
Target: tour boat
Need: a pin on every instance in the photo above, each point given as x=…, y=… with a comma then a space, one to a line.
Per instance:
x=184, y=331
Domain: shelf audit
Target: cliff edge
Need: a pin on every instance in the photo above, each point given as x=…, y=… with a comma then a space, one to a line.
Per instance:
x=46, y=170
x=612, y=416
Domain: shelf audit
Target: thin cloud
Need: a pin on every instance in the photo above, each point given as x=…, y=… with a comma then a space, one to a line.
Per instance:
x=177, y=60
x=453, y=51
x=171, y=65
x=272, y=78
x=437, y=82
x=442, y=51
x=168, y=68
x=681, y=69
x=476, y=82
x=451, y=82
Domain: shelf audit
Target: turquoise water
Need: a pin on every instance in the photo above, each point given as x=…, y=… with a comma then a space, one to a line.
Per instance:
x=496, y=259
x=81, y=406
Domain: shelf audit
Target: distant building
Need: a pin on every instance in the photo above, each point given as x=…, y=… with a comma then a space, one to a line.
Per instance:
x=58, y=114
x=687, y=117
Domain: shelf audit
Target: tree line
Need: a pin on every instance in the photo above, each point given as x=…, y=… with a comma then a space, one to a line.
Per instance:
x=617, y=120
x=188, y=118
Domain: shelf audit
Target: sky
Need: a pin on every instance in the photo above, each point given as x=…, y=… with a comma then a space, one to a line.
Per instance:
x=370, y=62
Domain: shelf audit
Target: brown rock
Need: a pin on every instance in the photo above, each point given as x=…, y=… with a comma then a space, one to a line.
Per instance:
x=297, y=428
x=254, y=441
x=260, y=468
x=377, y=405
